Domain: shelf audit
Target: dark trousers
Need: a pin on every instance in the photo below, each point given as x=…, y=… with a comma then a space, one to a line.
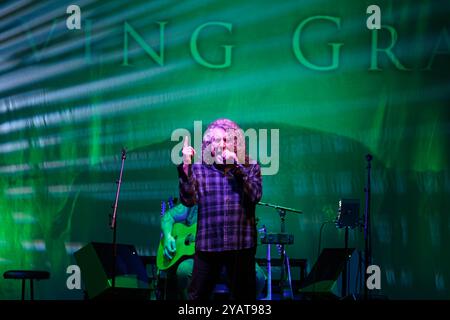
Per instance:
x=240, y=270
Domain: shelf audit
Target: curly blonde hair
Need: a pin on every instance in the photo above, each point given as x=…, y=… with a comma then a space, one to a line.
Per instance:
x=233, y=130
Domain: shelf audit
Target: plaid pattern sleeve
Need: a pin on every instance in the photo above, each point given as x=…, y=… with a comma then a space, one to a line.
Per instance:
x=251, y=177
x=226, y=205
x=187, y=187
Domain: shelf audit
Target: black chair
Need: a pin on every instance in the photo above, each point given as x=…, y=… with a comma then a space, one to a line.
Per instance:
x=24, y=275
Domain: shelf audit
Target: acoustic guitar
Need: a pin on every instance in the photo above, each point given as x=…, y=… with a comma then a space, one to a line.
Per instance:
x=185, y=245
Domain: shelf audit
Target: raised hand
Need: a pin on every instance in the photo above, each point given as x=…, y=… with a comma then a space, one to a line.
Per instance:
x=188, y=152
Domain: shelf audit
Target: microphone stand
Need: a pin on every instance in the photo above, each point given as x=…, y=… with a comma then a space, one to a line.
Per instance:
x=279, y=207
x=269, y=268
x=284, y=258
x=367, y=233
x=113, y=223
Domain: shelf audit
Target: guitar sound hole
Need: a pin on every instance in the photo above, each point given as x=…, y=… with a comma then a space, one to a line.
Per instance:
x=187, y=241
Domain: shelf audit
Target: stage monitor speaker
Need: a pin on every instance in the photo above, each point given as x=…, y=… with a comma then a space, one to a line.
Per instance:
x=96, y=264
x=325, y=279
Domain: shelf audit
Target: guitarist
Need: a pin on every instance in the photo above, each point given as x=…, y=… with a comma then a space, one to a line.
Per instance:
x=180, y=274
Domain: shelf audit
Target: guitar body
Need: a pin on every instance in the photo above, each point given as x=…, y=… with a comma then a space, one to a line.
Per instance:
x=185, y=245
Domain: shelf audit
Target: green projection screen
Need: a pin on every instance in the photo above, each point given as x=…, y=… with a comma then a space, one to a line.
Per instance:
x=318, y=73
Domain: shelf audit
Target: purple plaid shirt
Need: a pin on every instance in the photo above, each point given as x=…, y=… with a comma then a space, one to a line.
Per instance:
x=226, y=204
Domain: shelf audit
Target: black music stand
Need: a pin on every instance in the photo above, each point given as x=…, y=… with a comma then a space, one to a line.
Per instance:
x=348, y=217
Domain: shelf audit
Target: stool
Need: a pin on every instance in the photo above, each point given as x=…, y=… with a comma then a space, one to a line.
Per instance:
x=24, y=275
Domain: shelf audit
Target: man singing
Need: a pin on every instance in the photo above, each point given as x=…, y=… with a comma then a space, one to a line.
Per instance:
x=226, y=186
